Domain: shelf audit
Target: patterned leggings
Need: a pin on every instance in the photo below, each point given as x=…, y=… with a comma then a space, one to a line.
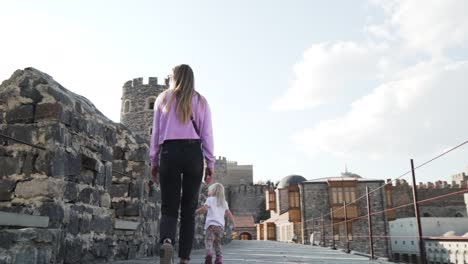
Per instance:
x=213, y=239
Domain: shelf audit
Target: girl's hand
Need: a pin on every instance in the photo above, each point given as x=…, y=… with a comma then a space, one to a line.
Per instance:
x=209, y=175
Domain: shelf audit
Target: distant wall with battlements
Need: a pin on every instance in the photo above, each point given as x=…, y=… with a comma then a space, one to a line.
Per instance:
x=231, y=173
x=247, y=199
x=450, y=206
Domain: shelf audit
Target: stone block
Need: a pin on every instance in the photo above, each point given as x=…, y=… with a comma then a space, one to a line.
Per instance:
x=132, y=208
x=49, y=111
x=136, y=189
x=57, y=134
x=73, y=164
x=85, y=224
x=110, y=136
x=101, y=224
x=140, y=154
x=59, y=96
x=119, y=208
x=48, y=187
x=126, y=225
x=23, y=132
x=140, y=169
x=54, y=211
x=106, y=153
x=21, y=114
x=78, y=124
x=108, y=175
x=41, y=163
x=118, y=190
x=74, y=250
x=28, y=164
x=119, y=153
x=23, y=220
x=26, y=254
x=57, y=163
x=105, y=200
x=73, y=224
x=102, y=248
x=86, y=177
x=7, y=239
x=71, y=192
x=9, y=166
x=89, y=163
x=31, y=93
x=6, y=189
x=89, y=196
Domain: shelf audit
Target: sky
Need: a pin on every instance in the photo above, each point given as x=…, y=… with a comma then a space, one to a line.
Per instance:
x=295, y=87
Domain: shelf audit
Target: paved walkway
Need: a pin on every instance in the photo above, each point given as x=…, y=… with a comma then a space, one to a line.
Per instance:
x=271, y=252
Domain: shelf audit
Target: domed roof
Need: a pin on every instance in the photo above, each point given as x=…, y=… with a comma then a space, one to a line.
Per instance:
x=449, y=234
x=290, y=180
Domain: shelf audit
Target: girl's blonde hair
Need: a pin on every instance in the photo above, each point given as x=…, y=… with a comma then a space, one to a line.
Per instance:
x=217, y=190
x=183, y=88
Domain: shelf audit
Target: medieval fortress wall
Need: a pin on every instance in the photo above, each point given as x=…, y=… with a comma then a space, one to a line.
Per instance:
x=83, y=194
x=450, y=206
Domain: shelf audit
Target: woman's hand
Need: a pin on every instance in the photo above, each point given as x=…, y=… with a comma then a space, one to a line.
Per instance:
x=154, y=173
x=209, y=175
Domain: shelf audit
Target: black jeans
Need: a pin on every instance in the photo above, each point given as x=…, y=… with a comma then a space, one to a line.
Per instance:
x=180, y=175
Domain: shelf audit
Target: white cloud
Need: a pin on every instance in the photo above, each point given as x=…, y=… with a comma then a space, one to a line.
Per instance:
x=326, y=69
x=417, y=105
x=413, y=115
x=430, y=25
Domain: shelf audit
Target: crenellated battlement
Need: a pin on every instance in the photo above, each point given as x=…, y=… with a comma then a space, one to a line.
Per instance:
x=152, y=82
x=252, y=189
x=431, y=185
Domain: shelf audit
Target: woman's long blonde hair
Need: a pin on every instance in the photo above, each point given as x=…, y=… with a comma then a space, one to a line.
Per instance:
x=217, y=190
x=183, y=88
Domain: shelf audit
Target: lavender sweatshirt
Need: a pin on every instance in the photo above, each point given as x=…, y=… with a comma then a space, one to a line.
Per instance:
x=167, y=126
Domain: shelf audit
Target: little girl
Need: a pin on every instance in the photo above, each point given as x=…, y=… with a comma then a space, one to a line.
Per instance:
x=217, y=208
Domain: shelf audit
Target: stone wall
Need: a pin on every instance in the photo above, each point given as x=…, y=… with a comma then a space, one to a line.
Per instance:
x=139, y=118
x=90, y=181
x=247, y=199
x=315, y=202
x=238, y=174
x=449, y=206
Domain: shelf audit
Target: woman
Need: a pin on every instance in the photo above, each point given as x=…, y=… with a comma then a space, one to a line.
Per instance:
x=182, y=137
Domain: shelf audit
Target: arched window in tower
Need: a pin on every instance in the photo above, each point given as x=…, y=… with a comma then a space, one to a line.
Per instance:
x=150, y=103
x=126, y=106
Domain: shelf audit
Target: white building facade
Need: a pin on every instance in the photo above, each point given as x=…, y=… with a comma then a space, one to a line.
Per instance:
x=403, y=234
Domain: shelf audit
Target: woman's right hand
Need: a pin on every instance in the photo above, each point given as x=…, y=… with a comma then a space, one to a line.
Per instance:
x=154, y=173
x=209, y=173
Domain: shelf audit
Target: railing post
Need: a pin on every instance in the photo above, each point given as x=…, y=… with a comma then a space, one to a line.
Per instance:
x=422, y=250
x=332, y=228
x=369, y=221
x=346, y=226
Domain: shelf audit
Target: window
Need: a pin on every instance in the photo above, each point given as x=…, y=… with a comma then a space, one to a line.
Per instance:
x=427, y=215
x=270, y=200
x=150, y=103
x=294, y=199
x=127, y=106
x=339, y=194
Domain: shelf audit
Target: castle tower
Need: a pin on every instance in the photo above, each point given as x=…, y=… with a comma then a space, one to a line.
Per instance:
x=138, y=103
